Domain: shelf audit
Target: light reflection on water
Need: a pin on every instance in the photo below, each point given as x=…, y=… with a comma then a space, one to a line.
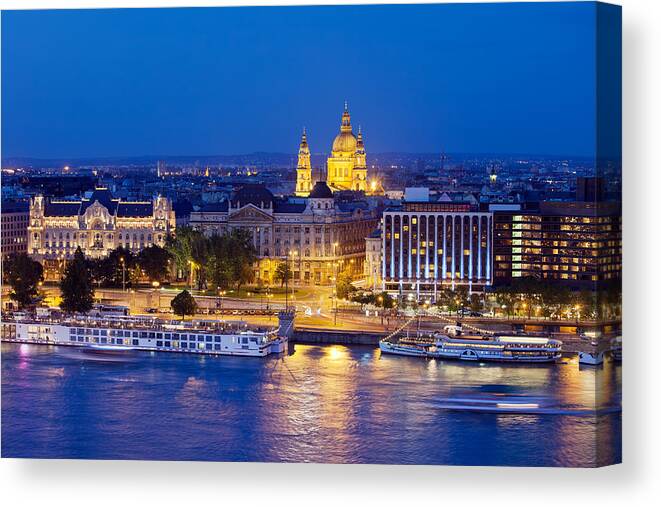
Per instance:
x=322, y=404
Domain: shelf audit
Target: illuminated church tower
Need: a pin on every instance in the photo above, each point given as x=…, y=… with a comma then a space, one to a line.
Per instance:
x=347, y=168
x=303, y=169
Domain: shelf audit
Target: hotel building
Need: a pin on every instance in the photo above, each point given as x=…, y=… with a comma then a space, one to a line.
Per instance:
x=577, y=244
x=15, y=219
x=97, y=225
x=429, y=245
x=318, y=235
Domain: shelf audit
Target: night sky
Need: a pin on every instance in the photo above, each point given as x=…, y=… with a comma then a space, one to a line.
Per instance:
x=490, y=78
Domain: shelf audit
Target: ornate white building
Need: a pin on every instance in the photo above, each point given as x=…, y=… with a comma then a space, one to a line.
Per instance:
x=97, y=225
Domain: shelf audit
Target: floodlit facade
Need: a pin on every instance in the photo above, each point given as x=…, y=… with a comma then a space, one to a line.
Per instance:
x=317, y=236
x=97, y=225
x=347, y=165
x=431, y=245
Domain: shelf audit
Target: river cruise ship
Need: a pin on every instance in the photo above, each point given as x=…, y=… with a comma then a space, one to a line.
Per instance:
x=524, y=349
x=138, y=333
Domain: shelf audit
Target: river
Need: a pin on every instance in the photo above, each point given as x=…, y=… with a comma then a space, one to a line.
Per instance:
x=330, y=404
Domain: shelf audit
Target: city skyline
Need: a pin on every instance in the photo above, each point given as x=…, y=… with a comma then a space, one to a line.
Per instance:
x=148, y=94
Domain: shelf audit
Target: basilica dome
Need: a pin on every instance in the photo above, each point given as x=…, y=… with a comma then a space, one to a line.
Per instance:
x=345, y=141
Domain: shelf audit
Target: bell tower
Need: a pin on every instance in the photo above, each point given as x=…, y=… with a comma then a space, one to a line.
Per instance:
x=303, y=168
x=359, y=174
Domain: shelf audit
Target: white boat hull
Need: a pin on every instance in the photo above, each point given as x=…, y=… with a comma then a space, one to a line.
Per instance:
x=471, y=355
x=402, y=350
x=590, y=359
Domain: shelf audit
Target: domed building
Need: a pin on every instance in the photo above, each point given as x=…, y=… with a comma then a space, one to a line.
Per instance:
x=346, y=167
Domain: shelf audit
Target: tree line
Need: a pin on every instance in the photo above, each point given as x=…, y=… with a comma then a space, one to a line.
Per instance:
x=219, y=261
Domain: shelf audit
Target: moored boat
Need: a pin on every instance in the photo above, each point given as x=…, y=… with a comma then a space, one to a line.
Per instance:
x=404, y=349
x=591, y=358
x=121, y=335
x=523, y=349
x=616, y=348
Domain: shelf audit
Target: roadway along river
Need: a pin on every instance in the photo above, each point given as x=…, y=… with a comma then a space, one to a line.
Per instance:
x=331, y=404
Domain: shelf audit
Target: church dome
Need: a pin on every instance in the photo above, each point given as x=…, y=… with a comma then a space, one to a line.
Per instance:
x=321, y=191
x=345, y=141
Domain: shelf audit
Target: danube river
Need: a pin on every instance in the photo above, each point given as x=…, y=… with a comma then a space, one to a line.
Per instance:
x=330, y=404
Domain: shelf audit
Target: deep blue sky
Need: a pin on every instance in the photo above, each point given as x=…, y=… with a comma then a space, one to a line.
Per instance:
x=490, y=78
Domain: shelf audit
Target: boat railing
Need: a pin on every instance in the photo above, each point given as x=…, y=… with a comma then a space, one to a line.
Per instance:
x=141, y=324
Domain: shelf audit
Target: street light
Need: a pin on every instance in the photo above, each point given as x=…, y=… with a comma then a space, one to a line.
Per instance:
x=121, y=259
x=192, y=268
x=335, y=264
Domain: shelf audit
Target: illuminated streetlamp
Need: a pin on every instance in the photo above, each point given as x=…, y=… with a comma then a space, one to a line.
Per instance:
x=121, y=259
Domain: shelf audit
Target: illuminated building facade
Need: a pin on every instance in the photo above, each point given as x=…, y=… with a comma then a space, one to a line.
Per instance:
x=317, y=236
x=577, y=244
x=347, y=165
x=97, y=225
x=431, y=245
x=15, y=220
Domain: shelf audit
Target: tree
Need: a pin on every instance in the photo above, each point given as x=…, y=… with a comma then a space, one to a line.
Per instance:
x=76, y=285
x=153, y=260
x=384, y=300
x=462, y=298
x=475, y=303
x=553, y=298
x=242, y=256
x=180, y=249
x=183, y=304
x=343, y=286
x=23, y=275
x=116, y=269
x=506, y=299
x=529, y=290
x=283, y=273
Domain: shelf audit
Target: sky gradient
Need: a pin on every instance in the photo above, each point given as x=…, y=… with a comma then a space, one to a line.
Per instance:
x=489, y=78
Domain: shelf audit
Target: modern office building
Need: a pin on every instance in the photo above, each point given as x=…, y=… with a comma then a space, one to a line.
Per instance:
x=97, y=224
x=577, y=244
x=15, y=220
x=429, y=245
x=318, y=236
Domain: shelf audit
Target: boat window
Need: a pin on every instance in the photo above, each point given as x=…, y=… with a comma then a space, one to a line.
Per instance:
x=216, y=339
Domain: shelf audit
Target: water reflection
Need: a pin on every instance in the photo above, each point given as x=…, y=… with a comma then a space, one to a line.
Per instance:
x=320, y=404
